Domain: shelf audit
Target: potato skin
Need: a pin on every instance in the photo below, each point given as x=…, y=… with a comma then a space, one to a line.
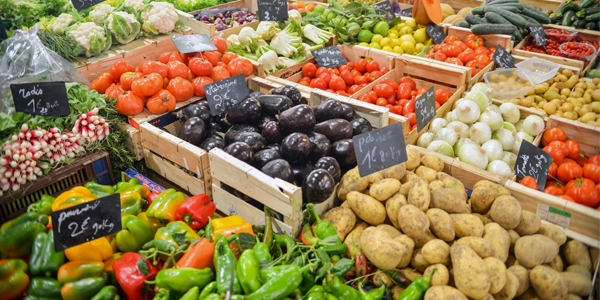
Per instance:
x=353, y=238
x=577, y=284
x=440, y=276
x=426, y=173
x=436, y=185
x=384, y=189
x=514, y=236
x=419, y=194
x=530, y=223
x=433, y=162
x=449, y=200
x=580, y=270
x=467, y=225
x=576, y=253
x=548, y=283
x=366, y=208
x=407, y=251
x=506, y=211
x=481, y=246
x=471, y=275
x=523, y=277
x=534, y=250
x=441, y=224
x=510, y=288
x=381, y=250
x=497, y=271
x=393, y=232
x=342, y=218
x=392, y=206
x=497, y=189
x=444, y=292
x=482, y=199
x=414, y=158
x=382, y=277
x=418, y=262
x=398, y=171
x=351, y=181
x=499, y=238
x=413, y=221
x=436, y=252
x=553, y=232
x=557, y=263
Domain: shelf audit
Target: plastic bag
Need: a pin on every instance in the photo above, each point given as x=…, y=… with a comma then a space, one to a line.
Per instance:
x=25, y=59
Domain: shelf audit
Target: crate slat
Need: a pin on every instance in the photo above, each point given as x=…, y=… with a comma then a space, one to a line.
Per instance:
x=166, y=169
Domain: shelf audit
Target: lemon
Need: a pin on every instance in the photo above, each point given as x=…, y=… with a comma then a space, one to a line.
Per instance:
x=398, y=50
x=406, y=30
x=420, y=35
x=386, y=42
x=396, y=42
x=408, y=47
x=411, y=23
x=388, y=49
x=365, y=36
x=428, y=42
x=381, y=28
x=392, y=36
x=364, y=44
x=375, y=45
x=408, y=38
x=399, y=26
x=377, y=38
x=419, y=47
x=394, y=31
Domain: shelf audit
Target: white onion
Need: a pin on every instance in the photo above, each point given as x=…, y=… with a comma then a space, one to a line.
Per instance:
x=457, y=102
x=425, y=139
x=533, y=125
x=461, y=129
x=519, y=125
x=510, y=112
x=446, y=134
x=493, y=150
x=499, y=167
x=467, y=112
x=437, y=124
x=510, y=158
x=441, y=147
x=510, y=127
x=480, y=133
x=495, y=108
x=523, y=136
x=516, y=147
x=484, y=88
x=505, y=137
x=473, y=155
x=478, y=97
x=493, y=119
x=450, y=117
x=462, y=142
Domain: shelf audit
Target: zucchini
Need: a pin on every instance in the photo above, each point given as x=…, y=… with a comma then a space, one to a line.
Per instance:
x=478, y=10
x=553, y=19
x=495, y=18
x=512, y=9
x=562, y=10
x=499, y=2
x=530, y=21
x=473, y=19
x=587, y=3
x=591, y=26
x=512, y=18
x=594, y=17
x=579, y=23
x=463, y=24
x=517, y=36
x=541, y=17
x=576, y=8
x=587, y=12
x=481, y=29
x=567, y=21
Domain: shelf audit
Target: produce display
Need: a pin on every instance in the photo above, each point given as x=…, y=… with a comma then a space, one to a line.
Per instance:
x=404, y=37
x=229, y=19
x=24, y=14
x=583, y=14
x=470, y=53
x=190, y=5
x=565, y=43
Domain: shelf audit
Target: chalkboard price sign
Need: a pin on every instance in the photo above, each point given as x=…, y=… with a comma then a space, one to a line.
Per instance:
x=379, y=149
x=329, y=57
x=502, y=58
x=436, y=33
x=533, y=161
x=539, y=34
x=407, y=12
x=272, y=10
x=225, y=94
x=385, y=7
x=85, y=222
x=3, y=34
x=41, y=98
x=425, y=108
x=193, y=43
x=83, y=4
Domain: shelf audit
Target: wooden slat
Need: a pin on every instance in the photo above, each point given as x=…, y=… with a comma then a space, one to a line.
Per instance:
x=133, y=142
x=173, y=173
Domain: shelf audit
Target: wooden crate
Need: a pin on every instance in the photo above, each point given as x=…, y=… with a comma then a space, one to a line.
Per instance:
x=575, y=70
x=133, y=141
x=210, y=30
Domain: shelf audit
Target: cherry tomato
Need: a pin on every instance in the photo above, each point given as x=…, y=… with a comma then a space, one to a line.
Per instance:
x=360, y=80
x=392, y=83
x=384, y=70
x=326, y=77
x=322, y=70
x=361, y=65
x=381, y=102
x=372, y=66
x=318, y=83
x=594, y=159
x=529, y=182
x=347, y=76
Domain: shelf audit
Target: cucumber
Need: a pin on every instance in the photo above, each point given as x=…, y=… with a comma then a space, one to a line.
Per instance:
x=463, y=24
x=499, y=2
x=594, y=17
x=517, y=35
x=512, y=9
x=478, y=10
x=579, y=23
x=562, y=10
x=587, y=3
x=591, y=26
x=530, y=21
x=514, y=19
x=541, y=17
x=481, y=29
x=495, y=18
x=473, y=19
x=553, y=19
x=520, y=6
x=567, y=21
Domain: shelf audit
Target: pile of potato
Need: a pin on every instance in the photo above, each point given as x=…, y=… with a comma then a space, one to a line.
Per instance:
x=566, y=95
x=415, y=218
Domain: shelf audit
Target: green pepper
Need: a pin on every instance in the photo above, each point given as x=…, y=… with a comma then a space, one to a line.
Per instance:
x=288, y=242
x=334, y=249
x=377, y=293
x=295, y=295
x=108, y=292
x=323, y=229
x=42, y=206
x=99, y=190
x=208, y=289
x=416, y=290
x=166, y=233
x=247, y=272
x=298, y=261
x=262, y=252
x=41, y=288
x=182, y=280
x=17, y=235
x=44, y=261
x=126, y=185
x=135, y=233
x=316, y=296
x=329, y=296
x=82, y=280
x=192, y=294
x=13, y=278
x=281, y=285
x=268, y=233
x=131, y=202
x=334, y=285
x=308, y=281
x=165, y=205
x=213, y=296
x=225, y=263
x=315, y=288
x=363, y=293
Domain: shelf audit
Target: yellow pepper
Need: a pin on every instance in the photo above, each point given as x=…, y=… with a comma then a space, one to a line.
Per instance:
x=153, y=221
x=231, y=221
x=97, y=250
x=76, y=195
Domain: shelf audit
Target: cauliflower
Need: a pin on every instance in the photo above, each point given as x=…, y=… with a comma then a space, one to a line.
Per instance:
x=91, y=37
x=135, y=4
x=61, y=23
x=100, y=12
x=123, y=27
x=160, y=17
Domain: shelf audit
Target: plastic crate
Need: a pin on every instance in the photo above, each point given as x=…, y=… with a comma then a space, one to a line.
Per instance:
x=538, y=70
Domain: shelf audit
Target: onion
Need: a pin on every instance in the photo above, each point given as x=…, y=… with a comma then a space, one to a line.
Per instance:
x=437, y=124
x=484, y=88
x=450, y=117
x=480, y=133
x=516, y=147
x=510, y=112
x=441, y=147
x=461, y=129
x=493, y=150
x=533, y=125
x=462, y=142
x=495, y=108
x=478, y=97
x=523, y=136
x=499, y=167
x=510, y=158
x=446, y=134
x=457, y=102
x=425, y=139
x=473, y=155
x=467, y=111
x=510, y=127
x=493, y=119
x=519, y=125
x=505, y=137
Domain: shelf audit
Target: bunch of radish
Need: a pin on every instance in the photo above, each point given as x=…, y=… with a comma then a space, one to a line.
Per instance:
x=91, y=127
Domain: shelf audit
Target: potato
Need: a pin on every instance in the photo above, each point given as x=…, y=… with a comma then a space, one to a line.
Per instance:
x=514, y=236
x=510, y=288
x=412, y=220
x=414, y=158
x=436, y=184
x=482, y=199
x=467, y=225
x=530, y=223
x=506, y=211
x=441, y=224
x=557, y=263
x=497, y=271
x=481, y=246
x=580, y=270
x=471, y=275
x=409, y=246
x=433, y=162
x=418, y=262
x=419, y=194
x=440, y=276
x=577, y=284
x=499, y=238
x=426, y=173
x=548, y=283
x=408, y=177
x=406, y=187
x=393, y=232
x=553, y=232
x=366, y=208
x=436, y=252
x=384, y=189
x=342, y=218
x=450, y=200
x=397, y=291
x=485, y=219
x=534, y=250
x=572, y=297
x=382, y=278
x=392, y=206
x=381, y=250
x=353, y=239
x=523, y=277
x=398, y=171
x=351, y=181
x=496, y=189
x=452, y=183
x=443, y=292
x=511, y=261
x=410, y=273
x=576, y=253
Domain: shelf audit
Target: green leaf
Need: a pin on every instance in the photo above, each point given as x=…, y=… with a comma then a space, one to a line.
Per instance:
x=395, y=21
x=142, y=266
x=322, y=271
x=323, y=256
x=341, y=265
x=180, y=238
x=331, y=239
x=352, y=6
x=247, y=241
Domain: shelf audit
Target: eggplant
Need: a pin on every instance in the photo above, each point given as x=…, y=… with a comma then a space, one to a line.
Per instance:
x=195, y=110
x=264, y=120
x=214, y=128
x=193, y=131
x=244, y=128
x=203, y=103
x=241, y=151
x=320, y=145
x=256, y=94
x=334, y=129
x=317, y=186
x=330, y=165
x=220, y=119
x=343, y=152
x=348, y=114
x=274, y=104
x=300, y=118
x=360, y=126
x=274, y=147
x=289, y=91
x=295, y=148
x=330, y=109
x=245, y=112
x=253, y=139
x=279, y=168
x=301, y=171
x=272, y=133
x=262, y=157
x=213, y=141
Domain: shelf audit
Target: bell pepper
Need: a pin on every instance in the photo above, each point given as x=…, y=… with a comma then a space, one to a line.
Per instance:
x=247, y=272
x=417, y=289
x=198, y=256
x=13, y=278
x=225, y=262
x=108, y=292
x=151, y=198
x=41, y=288
x=44, y=261
x=42, y=206
x=237, y=229
x=165, y=205
x=132, y=185
x=181, y=280
x=81, y=280
x=192, y=294
x=153, y=221
x=99, y=190
x=131, y=202
x=17, y=235
x=135, y=233
x=76, y=195
x=131, y=279
x=97, y=250
x=231, y=221
x=166, y=233
x=108, y=267
x=281, y=285
x=196, y=210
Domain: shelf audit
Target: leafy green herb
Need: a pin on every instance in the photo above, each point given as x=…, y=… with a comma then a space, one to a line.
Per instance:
x=180, y=238
x=142, y=266
x=247, y=241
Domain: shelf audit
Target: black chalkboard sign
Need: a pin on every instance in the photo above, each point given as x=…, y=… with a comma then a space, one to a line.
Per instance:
x=533, y=161
x=41, y=98
x=83, y=4
x=379, y=149
x=193, y=43
x=225, y=94
x=3, y=34
x=425, y=108
x=502, y=58
x=272, y=10
x=407, y=12
x=435, y=33
x=329, y=57
x=385, y=7
x=539, y=34
x=85, y=222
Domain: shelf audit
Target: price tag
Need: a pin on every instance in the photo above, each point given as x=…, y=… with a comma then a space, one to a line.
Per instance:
x=407, y=12
x=41, y=98
x=193, y=43
x=533, y=161
x=85, y=222
x=379, y=149
x=435, y=33
x=554, y=215
x=3, y=34
x=539, y=34
x=225, y=94
x=272, y=10
x=329, y=57
x=83, y=4
x=425, y=108
x=385, y=8
x=502, y=58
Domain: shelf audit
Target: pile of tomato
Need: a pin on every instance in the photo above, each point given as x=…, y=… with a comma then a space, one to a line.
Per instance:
x=470, y=53
x=571, y=176
x=553, y=47
x=159, y=85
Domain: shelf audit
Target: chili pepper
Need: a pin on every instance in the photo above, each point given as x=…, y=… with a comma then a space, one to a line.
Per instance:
x=99, y=190
x=192, y=294
x=41, y=288
x=307, y=237
x=213, y=297
x=247, y=272
x=341, y=269
x=360, y=264
x=209, y=229
x=288, y=242
x=363, y=293
x=196, y=211
x=108, y=292
x=316, y=296
x=278, y=287
x=108, y=267
x=207, y=290
x=377, y=293
x=268, y=232
x=76, y=195
x=225, y=262
x=13, y=278
x=17, y=235
x=269, y=273
x=416, y=290
x=334, y=285
x=153, y=221
x=166, y=233
x=135, y=233
x=399, y=278
x=298, y=261
x=308, y=281
x=262, y=252
x=316, y=288
x=323, y=229
x=81, y=280
x=130, y=278
x=131, y=202
x=237, y=229
x=165, y=205
x=181, y=280
x=231, y=221
x=42, y=206
x=96, y=250
x=160, y=245
x=44, y=261
x=334, y=249
x=199, y=256
x=295, y=295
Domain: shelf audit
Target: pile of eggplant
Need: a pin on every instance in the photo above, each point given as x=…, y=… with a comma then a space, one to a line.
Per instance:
x=277, y=134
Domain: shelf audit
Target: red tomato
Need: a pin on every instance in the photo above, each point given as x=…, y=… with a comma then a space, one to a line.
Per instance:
x=397, y=109
x=393, y=84
x=199, y=83
x=484, y=60
x=220, y=43
x=573, y=147
x=128, y=78
x=361, y=65
x=460, y=45
x=355, y=73
x=481, y=50
x=565, y=197
x=372, y=95
x=381, y=102
x=353, y=89
x=409, y=107
x=529, y=182
x=343, y=68
x=326, y=77
x=579, y=182
x=374, y=75
x=372, y=66
x=404, y=90
x=318, y=83
x=552, y=171
x=176, y=69
x=554, y=134
x=181, y=89
x=383, y=90
x=585, y=195
x=451, y=50
x=466, y=56
x=360, y=80
x=347, y=76
x=334, y=71
x=592, y=171
x=102, y=82
x=581, y=160
x=422, y=91
x=384, y=70
x=412, y=118
x=120, y=67
x=309, y=70
x=451, y=39
x=412, y=83
x=441, y=96
x=304, y=83
x=350, y=65
x=337, y=83
x=562, y=146
x=154, y=67
x=594, y=159
x=568, y=171
x=228, y=57
x=552, y=190
x=322, y=70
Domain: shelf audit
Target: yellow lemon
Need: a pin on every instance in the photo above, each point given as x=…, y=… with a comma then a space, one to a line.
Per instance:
x=386, y=42
x=396, y=42
x=399, y=26
x=388, y=49
x=428, y=42
x=392, y=36
x=411, y=23
x=394, y=31
x=408, y=38
x=406, y=30
x=363, y=44
x=419, y=47
x=398, y=50
x=375, y=45
x=377, y=38
x=408, y=47
x=420, y=35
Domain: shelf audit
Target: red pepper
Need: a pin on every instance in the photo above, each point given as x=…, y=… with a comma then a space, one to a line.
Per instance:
x=307, y=237
x=196, y=210
x=131, y=279
x=151, y=198
x=360, y=264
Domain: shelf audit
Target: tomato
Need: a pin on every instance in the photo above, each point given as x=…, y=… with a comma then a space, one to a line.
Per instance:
x=566, y=160
x=383, y=90
x=552, y=171
x=240, y=66
x=556, y=153
x=454, y=61
x=304, y=83
x=372, y=95
x=461, y=45
x=592, y=171
x=483, y=60
x=360, y=80
x=337, y=83
x=199, y=83
x=355, y=73
x=441, y=96
x=228, y=57
x=161, y=102
x=220, y=43
x=594, y=159
x=585, y=195
x=181, y=89
x=565, y=197
x=127, y=78
x=562, y=146
x=451, y=39
x=322, y=70
x=492, y=50
x=364, y=98
x=155, y=67
x=164, y=58
x=439, y=56
x=120, y=67
x=326, y=77
x=404, y=90
x=177, y=69
x=219, y=73
x=451, y=50
x=552, y=190
x=553, y=134
x=147, y=85
x=350, y=66
x=114, y=90
x=579, y=182
x=342, y=93
x=353, y=89
x=374, y=75
x=422, y=91
x=573, y=147
x=318, y=83
x=466, y=56
x=102, y=82
x=347, y=76
x=409, y=107
x=129, y=104
x=381, y=102
x=581, y=160
x=412, y=118
x=475, y=67
x=529, y=182
x=372, y=66
x=568, y=171
x=392, y=83
x=361, y=65
x=473, y=41
x=481, y=50
x=392, y=99
x=412, y=83
x=384, y=70
x=309, y=70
